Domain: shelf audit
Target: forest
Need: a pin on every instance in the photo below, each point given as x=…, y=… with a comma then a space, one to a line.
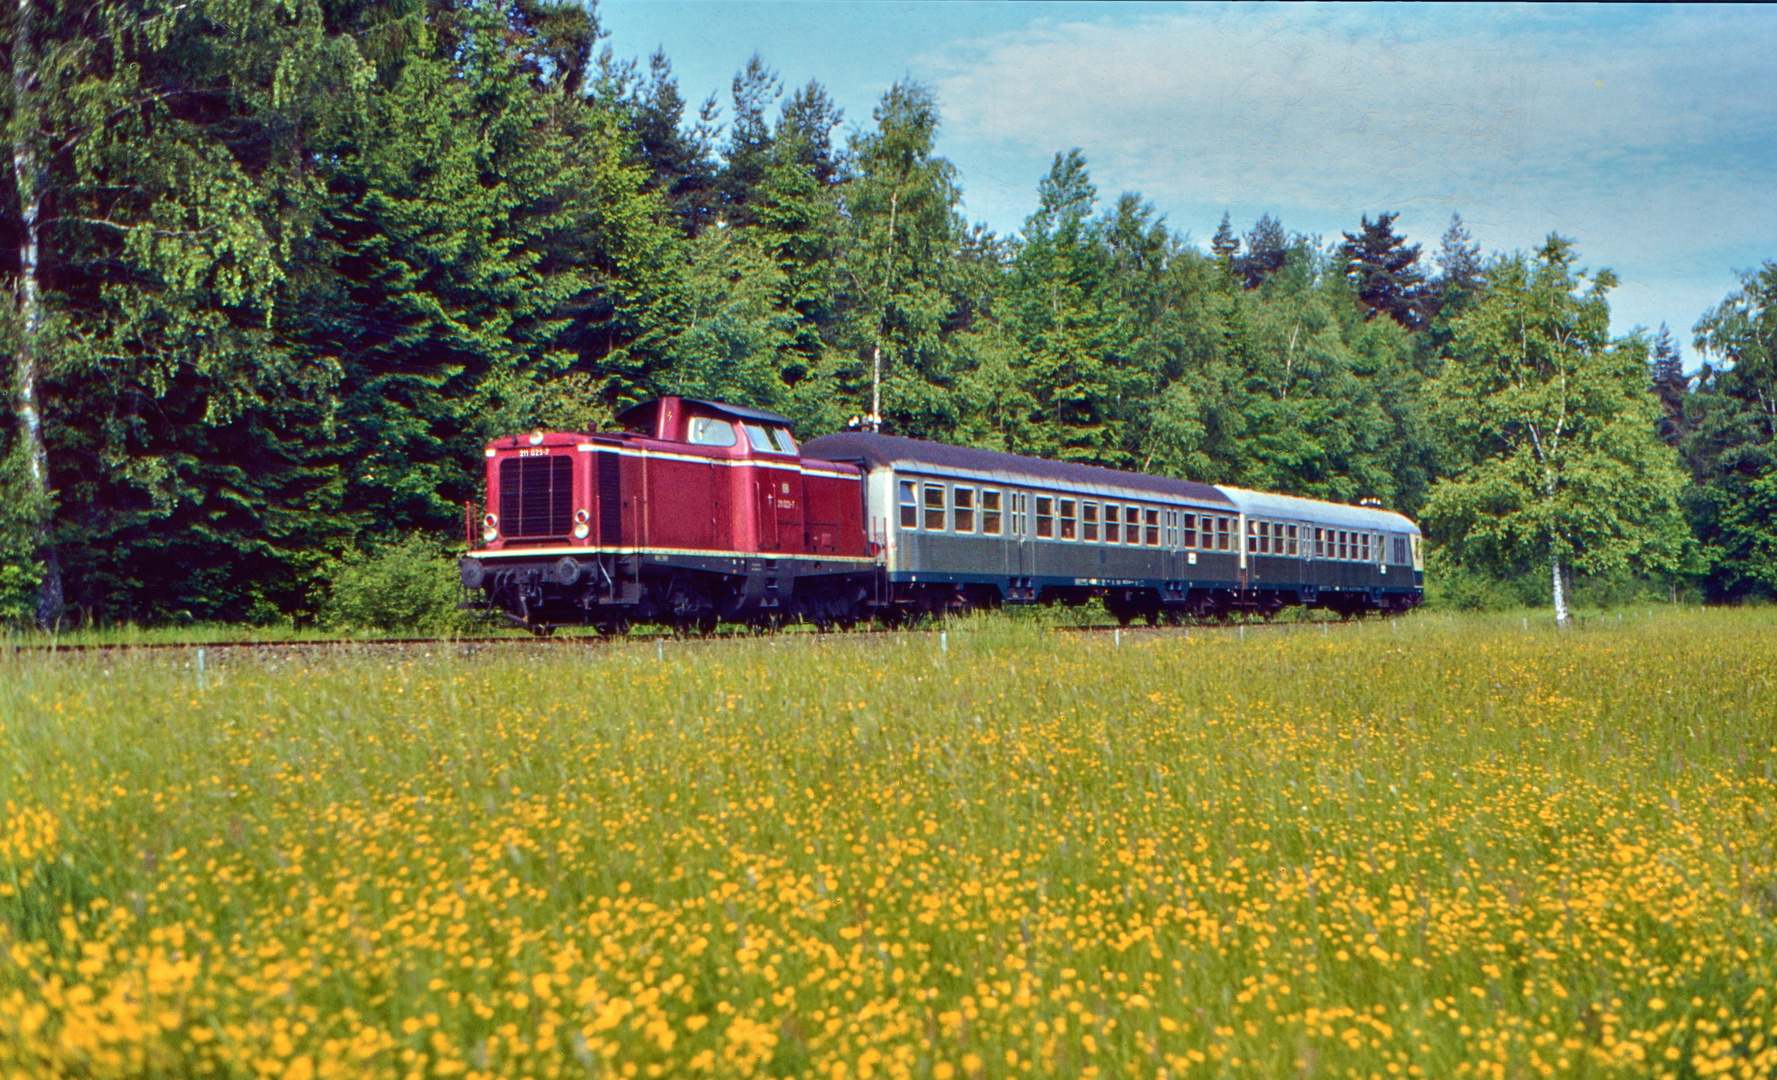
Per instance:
x=275, y=272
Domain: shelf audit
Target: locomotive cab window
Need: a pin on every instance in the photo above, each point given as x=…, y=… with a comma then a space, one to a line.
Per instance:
x=761, y=439
x=934, y=507
x=709, y=431
x=990, y=513
x=1067, y=519
x=1089, y=522
x=783, y=439
x=1045, y=516
x=962, y=518
x=909, y=506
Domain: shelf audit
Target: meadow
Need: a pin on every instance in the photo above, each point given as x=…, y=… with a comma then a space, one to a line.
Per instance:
x=1433, y=847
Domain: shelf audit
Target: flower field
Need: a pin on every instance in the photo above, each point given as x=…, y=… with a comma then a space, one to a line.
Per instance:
x=1431, y=849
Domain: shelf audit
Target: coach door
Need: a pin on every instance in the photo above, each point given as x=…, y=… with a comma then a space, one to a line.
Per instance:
x=1304, y=544
x=1021, y=560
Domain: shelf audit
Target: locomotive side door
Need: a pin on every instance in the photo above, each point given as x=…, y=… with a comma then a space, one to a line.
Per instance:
x=766, y=536
x=786, y=492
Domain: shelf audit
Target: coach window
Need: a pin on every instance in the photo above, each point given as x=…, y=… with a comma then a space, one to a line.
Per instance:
x=1264, y=538
x=1112, y=523
x=1400, y=550
x=1089, y=522
x=708, y=431
x=1069, y=523
x=1045, y=517
x=1347, y=545
x=1151, y=518
x=1289, y=534
x=963, y=510
x=909, y=506
x=1132, y=524
x=1224, y=534
x=990, y=513
x=935, y=507
x=1190, y=530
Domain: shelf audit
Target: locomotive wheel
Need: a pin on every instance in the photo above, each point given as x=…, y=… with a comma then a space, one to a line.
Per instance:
x=542, y=631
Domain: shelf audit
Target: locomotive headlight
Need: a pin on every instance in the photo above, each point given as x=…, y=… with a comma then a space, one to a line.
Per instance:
x=536, y=438
x=581, y=531
x=490, y=528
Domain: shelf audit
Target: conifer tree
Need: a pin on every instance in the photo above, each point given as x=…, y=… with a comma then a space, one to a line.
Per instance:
x=1265, y=249
x=1384, y=269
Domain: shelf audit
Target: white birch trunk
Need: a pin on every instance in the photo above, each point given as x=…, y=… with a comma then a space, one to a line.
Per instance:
x=27, y=362
x=1560, y=588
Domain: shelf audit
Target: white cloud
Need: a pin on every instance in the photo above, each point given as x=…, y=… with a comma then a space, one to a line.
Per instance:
x=1647, y=137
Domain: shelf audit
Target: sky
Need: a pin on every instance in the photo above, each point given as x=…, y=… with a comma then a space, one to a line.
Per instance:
x=1645, y=134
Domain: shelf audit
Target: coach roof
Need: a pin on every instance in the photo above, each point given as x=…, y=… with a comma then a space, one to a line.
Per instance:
x=917, y=455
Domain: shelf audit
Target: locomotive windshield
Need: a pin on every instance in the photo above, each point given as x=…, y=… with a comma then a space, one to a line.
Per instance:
x=710, y=431
x=770, y=440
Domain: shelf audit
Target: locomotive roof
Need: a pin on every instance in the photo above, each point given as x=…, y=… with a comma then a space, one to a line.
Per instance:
x=1264, y=504
x=739, y=412
x=917, y=455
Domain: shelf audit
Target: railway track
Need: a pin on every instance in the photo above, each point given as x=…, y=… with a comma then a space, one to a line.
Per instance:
x=586, y=640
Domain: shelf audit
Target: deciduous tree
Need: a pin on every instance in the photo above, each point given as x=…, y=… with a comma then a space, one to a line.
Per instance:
x=1555, y=427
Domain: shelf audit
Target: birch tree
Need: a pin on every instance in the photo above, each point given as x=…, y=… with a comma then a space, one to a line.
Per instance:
x=1559, y=461
x=24, y=137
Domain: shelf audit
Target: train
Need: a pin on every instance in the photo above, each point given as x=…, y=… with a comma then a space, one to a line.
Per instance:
x=694, y=513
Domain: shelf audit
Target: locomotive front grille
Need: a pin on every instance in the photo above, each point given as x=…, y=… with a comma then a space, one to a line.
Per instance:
x=537, y=496
x=610, y=498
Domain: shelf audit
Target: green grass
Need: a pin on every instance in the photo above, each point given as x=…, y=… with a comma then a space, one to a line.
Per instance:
x=1432, y=846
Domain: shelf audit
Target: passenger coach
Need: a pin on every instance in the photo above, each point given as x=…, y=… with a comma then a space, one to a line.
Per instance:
x=1348, y=559
x=961, y=527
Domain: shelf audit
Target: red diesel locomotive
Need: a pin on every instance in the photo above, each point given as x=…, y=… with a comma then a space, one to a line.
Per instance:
x=696, y=512
x=699, y=512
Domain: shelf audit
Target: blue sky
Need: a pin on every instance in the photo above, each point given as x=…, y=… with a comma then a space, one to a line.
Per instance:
x=1646, y=134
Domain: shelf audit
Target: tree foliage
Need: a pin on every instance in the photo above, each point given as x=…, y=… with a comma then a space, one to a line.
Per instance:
x=276, y=272
x=1554, y=428
x=1729, y=440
